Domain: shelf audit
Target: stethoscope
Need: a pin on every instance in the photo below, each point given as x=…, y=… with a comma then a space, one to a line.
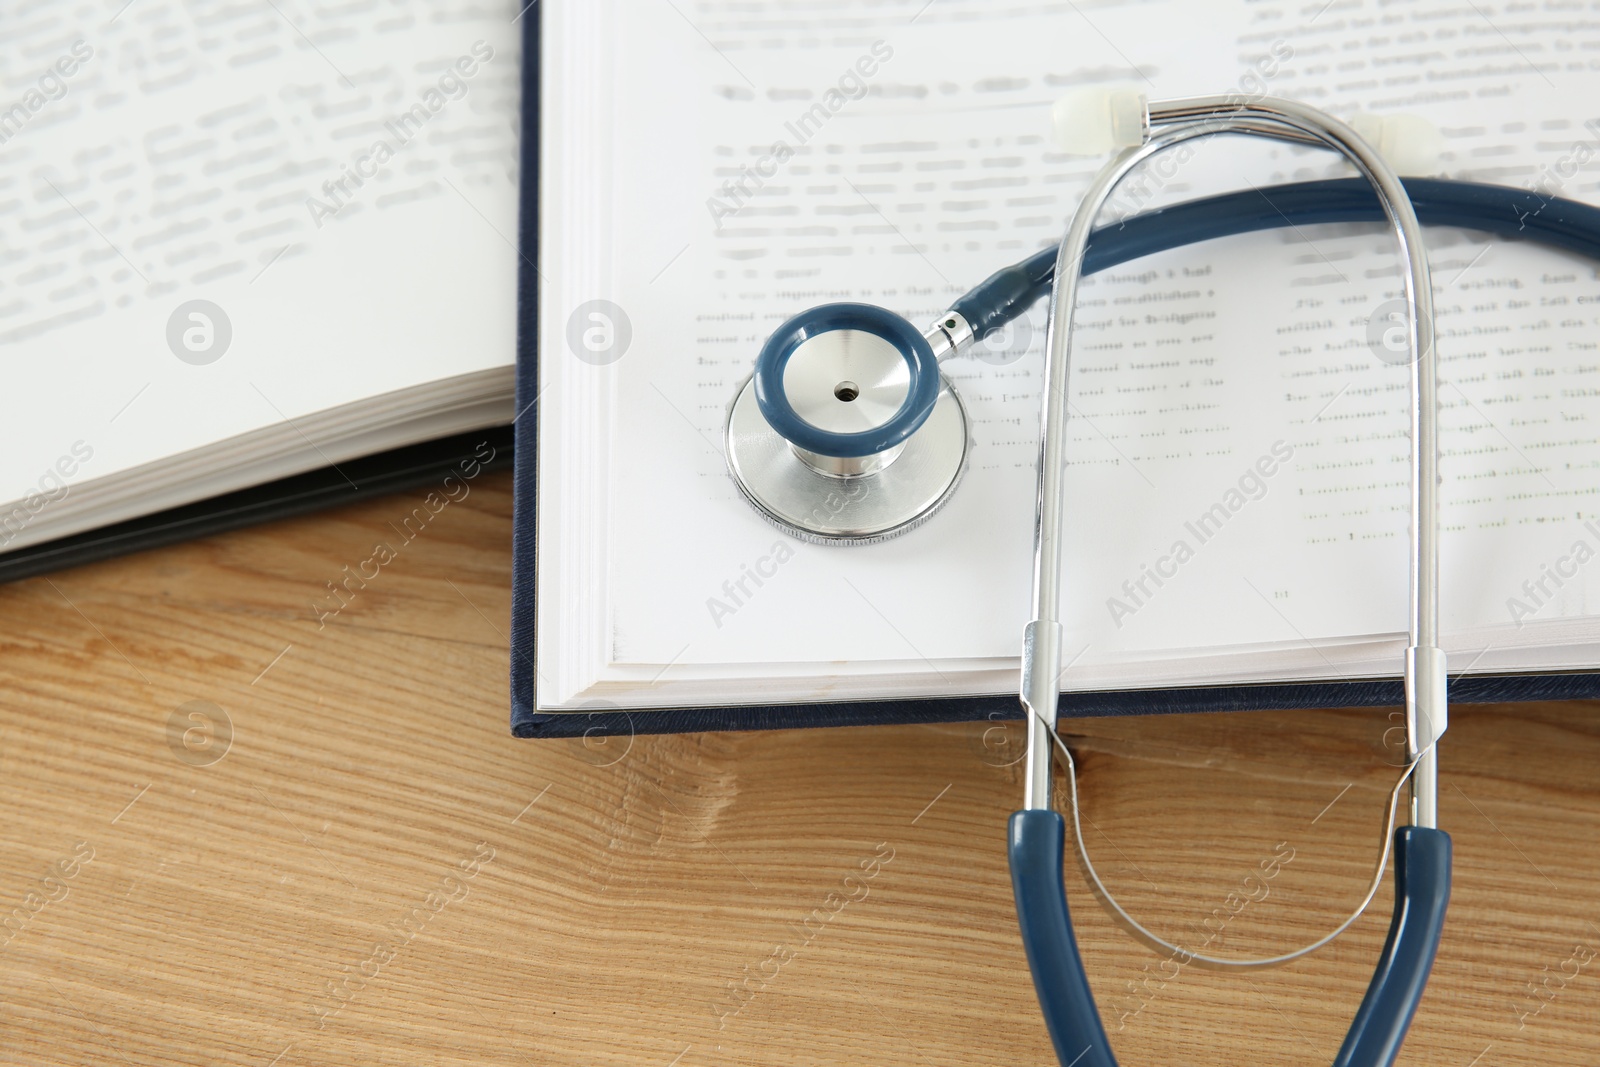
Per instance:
x=847, y=432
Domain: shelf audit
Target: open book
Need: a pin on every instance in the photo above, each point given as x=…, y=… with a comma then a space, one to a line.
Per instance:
x=241, y=244
x=1237, y=468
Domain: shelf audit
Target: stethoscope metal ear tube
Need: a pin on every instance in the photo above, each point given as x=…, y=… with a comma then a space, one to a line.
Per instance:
x=1189, y=119
x=1037, y=832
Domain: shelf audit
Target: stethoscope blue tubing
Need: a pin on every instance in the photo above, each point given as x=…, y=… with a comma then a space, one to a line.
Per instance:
x=1009, y=292
x=1421, y=894
x=1421, y=854
x=1494, y=209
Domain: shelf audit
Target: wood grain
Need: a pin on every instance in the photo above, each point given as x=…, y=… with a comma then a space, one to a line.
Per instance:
x=375, y=872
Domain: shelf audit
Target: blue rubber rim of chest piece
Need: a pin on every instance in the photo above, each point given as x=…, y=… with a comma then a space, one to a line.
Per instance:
x=774, y=403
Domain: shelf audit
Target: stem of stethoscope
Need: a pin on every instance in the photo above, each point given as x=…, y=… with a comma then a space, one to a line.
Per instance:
x=949, y=336
x=1425, y=790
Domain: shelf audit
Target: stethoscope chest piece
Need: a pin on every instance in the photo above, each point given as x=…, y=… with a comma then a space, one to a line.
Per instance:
x=846, y=432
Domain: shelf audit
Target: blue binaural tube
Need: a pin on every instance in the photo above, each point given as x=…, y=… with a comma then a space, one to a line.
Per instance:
x=1494, y=209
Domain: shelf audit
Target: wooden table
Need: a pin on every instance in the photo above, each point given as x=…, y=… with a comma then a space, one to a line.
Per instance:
x=375, y=872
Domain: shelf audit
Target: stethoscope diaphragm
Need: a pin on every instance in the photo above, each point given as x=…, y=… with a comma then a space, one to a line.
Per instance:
x=846, y=432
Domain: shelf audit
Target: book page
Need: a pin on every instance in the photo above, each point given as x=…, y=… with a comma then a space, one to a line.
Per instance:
x=1237, y=441
x=217, y=219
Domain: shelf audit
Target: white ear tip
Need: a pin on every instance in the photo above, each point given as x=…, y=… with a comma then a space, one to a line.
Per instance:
x=1094, y=121
x=1409, y=143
